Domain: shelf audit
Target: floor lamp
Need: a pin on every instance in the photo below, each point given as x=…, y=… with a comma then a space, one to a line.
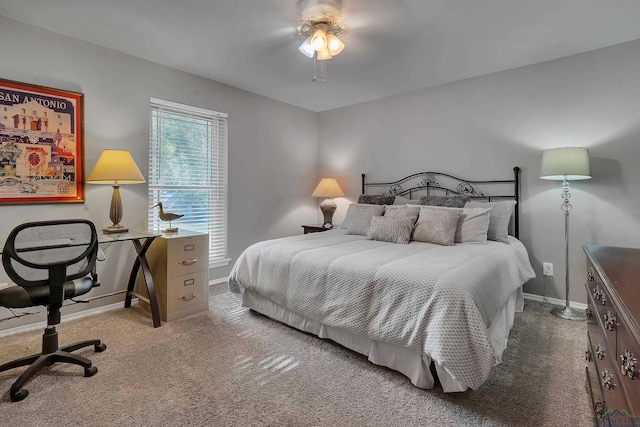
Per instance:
x=565, y=164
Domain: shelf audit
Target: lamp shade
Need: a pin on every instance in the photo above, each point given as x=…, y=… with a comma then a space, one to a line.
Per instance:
x=328, y=187
x=115, y=167
x=570, y=163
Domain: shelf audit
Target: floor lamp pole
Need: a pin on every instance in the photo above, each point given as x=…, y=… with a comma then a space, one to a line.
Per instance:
x=567, y=312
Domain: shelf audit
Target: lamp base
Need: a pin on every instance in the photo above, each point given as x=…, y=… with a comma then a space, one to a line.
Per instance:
x=113, y=229
x=328, y=207
x=568, y=313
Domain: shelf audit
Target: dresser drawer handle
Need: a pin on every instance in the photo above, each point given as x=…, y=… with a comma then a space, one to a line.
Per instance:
x=607, y=379
x=188, y=261
x=188, y=297
x=600, y=352
x=590, y=276
x=628, y=367
x=610, y=321
x=598, y=293
x=587, y=356
x=588, y=312
x=599, y=407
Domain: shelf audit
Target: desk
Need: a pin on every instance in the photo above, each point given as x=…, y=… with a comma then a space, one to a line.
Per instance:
x=141, y=242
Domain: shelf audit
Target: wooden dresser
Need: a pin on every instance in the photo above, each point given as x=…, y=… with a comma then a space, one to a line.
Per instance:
x=613, y=337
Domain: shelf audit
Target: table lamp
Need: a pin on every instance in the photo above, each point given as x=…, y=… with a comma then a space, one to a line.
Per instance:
x=328, y=188
x=565, y=164
x=115, y=167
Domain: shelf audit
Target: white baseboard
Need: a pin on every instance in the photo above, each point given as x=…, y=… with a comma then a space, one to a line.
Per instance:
x=555, y=301
x=66, y=318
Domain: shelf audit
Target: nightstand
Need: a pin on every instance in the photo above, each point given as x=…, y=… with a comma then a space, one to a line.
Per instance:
x=316, y=228
x=180, y=267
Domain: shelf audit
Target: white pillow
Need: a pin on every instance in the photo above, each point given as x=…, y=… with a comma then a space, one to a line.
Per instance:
x=499, y=218
x=359, y=216
x=473, y=225
x=437, y=225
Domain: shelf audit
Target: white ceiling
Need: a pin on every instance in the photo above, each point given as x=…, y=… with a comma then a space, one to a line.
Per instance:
x=392, y=46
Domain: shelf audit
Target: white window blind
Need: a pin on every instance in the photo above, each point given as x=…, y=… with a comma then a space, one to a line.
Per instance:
x=188, y=172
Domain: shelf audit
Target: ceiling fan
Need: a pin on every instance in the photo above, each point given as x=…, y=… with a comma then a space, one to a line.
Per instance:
x=321, y=27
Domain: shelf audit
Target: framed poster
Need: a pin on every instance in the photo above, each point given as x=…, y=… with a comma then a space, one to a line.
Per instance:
x=41, y=144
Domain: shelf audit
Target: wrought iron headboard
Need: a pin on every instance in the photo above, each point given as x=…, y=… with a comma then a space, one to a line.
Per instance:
x=430, y=181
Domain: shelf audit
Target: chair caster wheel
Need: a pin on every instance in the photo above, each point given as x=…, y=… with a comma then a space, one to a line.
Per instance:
x=19, y=395
x=100, y=348
x=89, y=372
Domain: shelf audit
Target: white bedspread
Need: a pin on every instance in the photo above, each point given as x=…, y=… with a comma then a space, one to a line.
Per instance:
x=437, y=300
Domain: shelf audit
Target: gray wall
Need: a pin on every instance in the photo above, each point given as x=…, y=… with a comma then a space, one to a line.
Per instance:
x=272, y=145
x=482, y=127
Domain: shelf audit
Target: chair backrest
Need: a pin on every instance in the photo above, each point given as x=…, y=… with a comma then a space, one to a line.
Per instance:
x=36, y=249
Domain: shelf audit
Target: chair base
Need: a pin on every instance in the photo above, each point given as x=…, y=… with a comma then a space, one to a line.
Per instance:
x=38, y=361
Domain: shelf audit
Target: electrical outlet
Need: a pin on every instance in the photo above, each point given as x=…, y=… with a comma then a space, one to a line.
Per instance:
x=547, y=268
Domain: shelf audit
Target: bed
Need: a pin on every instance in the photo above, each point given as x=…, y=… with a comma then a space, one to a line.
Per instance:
x=404, y=306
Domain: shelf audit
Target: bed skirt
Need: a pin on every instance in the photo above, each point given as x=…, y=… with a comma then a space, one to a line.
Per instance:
x=408, y=362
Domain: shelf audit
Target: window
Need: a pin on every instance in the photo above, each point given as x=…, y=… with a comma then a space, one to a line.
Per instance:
x=188, y=171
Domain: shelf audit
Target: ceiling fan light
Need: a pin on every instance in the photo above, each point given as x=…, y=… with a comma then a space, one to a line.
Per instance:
x=306, y=48
x=324, y=54
x=319, y=39
x=335, y=45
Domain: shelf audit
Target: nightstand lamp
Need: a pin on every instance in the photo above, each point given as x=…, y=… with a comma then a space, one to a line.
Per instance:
x=565, y=164
x=328, y=188
x=115, y=167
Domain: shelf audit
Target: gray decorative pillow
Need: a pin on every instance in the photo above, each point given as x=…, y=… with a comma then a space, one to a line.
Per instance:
x=375, y=200
x=359, y=216
x=394, y=228
x=401, y=200
x=499, y=218
x=446, y=201
x=473, y=225
x=437, y=225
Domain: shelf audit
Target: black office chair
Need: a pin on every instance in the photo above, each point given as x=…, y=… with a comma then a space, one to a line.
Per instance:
x=50, y=261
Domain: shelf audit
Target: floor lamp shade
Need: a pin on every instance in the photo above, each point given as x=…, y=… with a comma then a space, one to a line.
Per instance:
x=565, y=164
x=328, y=188
x=115, y=167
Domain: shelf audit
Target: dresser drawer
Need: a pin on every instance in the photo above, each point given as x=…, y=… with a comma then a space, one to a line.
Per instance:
x=597, y=407
x=604, y=309
x=627, y=355
x=187, y=256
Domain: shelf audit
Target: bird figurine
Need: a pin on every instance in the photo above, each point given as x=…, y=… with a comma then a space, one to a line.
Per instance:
x=166, y=216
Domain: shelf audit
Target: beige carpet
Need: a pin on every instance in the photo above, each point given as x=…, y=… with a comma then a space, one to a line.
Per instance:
x=233, y=367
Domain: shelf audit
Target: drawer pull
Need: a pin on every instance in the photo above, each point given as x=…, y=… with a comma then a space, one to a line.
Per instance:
x=188, y=297
x=599, y=407
x=610, y=321
x=588, y=312
x=600, y=352
x=598, y=293
x=607, y=379
x=590, y=276
x=603, y=299
x=188, y=261
x=628, y=367
x=587, y=356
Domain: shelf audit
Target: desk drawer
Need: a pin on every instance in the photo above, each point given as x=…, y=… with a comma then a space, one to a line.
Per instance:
x=187, y=256
x=187, y=291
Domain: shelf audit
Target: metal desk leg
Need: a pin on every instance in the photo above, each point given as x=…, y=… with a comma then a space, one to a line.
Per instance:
x=141, y=261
